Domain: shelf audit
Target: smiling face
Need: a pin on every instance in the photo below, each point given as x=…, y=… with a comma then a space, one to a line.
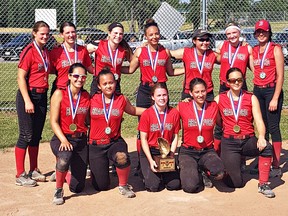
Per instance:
x=41, y=36
x=69, y=34
x=199, y=93
x=77, y=77
x=107, y=84
x=116, y=35
x=160, y=97
x=262, y=36
x=202, y=44
x=235, y=80
x=153, y=35
x=233, y=35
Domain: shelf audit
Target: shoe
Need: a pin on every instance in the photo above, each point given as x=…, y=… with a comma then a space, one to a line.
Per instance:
x=25, y=181
x=275, y=172
x=37, y=175
x=88, y=173
x=53, y=177
x=206, y=181
x=266, y=190
x=58, y=196
x=127, y=191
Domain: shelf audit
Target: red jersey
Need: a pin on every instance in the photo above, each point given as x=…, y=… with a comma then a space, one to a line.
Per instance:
x=150, y=125
x=103, y=58
x=61, y=62
x=98, y=122
x=190, y=125
x=66, y=114
x=245, y=119
x=241, y=59
x=146, y=68
x=192, y=71
x=31, y=61
x=269, y=66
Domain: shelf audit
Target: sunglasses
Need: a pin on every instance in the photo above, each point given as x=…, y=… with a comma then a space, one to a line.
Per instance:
x=203, y=39
x=233, y=80
x=76, y=76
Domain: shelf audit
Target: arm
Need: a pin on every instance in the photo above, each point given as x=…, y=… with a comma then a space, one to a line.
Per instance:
x=251, y=64
x=21, y=79
x=177, y=54
x=54, y=121
x=134, y=64
x=218, y=55
x=279, y=60
x=132, y=110
x=169, y=67
x=146, y=150
x=174, y=143
x=261, y=144
x=91, y=48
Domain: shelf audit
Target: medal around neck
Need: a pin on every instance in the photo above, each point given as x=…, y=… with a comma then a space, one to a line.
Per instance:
x=236, y=129
x=116, y=76
x=154, y=79
x=108, y=130
x=73, y=127
x=262, y=75
x=200, y=139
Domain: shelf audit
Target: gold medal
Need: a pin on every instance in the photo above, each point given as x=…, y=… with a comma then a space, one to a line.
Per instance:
x=73, y=127
x=236, y=128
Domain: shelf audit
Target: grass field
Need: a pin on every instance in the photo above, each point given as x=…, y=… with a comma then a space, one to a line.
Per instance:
x=129, y=84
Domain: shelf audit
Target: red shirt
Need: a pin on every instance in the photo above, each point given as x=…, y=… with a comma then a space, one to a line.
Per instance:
x=190, y=125
x=192, y=71
x=241, y=60
x=98, y=122
x=149, y=124
x=269, y=65
x=62, y=64
x=31, y=61
x=145, y=66
x=245, y=119
x=66, y=114
x=103, y=58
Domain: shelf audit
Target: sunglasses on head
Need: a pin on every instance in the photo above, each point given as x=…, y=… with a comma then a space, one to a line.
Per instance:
x=203, y=39
x=76, y=76
x=234, y=80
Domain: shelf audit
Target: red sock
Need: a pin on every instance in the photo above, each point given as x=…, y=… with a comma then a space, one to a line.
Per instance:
x=217, y=146
x=277, y=147
x=138, y=145
x=33, y=157
x=68, y=177
x=20, y=160
x=264, y=169
x=123, y=175
x=60, y=178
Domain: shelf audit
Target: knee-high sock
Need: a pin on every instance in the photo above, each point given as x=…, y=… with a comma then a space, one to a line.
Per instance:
x=217, y=146
x=264, y=169
x=277, y=147
x=33, y=157
x=123, y=175
x=20, y=160
x=60, y=178
x=68, y=177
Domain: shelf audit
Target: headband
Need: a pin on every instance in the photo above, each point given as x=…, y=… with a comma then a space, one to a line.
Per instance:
x=232, y=27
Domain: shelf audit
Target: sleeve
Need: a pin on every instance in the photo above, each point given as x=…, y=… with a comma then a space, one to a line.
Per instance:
x=86, y=58
x=144, y=122
x=177, y=122
x=26, y=59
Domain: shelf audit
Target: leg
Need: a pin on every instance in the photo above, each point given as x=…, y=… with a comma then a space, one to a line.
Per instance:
x=171, y=180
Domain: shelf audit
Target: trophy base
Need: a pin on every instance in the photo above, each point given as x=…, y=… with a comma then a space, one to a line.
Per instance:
x=164, y=164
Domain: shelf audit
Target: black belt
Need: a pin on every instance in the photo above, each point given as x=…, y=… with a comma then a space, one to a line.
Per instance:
x=269, y=85
x=76, y=135
x=238, y=136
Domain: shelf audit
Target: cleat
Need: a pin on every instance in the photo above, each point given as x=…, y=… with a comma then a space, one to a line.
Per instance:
x=126, y=191
x=25, y=181
x=206, y=180
x=275, y=172
x=37, y=175
x=58, y=196
x=266, y=190
x=53, y=177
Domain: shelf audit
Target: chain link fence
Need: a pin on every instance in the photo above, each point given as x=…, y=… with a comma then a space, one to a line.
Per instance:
x=92, y=18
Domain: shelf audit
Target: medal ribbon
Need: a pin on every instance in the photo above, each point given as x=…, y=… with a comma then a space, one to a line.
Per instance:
x=44, y=58
x=107, y=114
x=67, y=53
x=161, y=124
x=264, y=55
x=113, y=59
x=231, y=59
x=153, y=63
x=236, y=110
x=201, y=117
x=200, y=66
x=73, y=108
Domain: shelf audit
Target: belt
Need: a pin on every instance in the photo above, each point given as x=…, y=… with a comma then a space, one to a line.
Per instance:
x=238, y=136
x=76, y=135
x=38, y=90
x=101, y=141
x=269, y=85
x=150, y=84
x=198, y=149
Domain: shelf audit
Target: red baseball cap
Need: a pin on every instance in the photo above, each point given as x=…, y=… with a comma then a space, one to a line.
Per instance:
x=263, y=25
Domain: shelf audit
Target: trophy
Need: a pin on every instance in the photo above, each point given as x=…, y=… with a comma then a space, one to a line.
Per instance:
x=164, y=162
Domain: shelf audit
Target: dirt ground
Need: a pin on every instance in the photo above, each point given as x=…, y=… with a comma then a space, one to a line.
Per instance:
x=219, y=200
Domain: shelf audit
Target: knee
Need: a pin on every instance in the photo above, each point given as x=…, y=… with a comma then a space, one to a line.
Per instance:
x=62, y=164
x=267, y=151
x=77, y=188
x=174, y=185
x=189, y=188
x=122, y=160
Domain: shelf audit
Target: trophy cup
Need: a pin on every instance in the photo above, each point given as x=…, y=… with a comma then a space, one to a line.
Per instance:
x=164, y=162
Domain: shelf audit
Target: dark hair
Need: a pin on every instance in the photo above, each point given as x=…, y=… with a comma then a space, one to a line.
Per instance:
x=37, y=25
x=195, y=82
x=231, y=70
x=149, y=23
x=114, y=25
x=76, y=65
x=160, y=85
x=65, y=24
x=104, y=71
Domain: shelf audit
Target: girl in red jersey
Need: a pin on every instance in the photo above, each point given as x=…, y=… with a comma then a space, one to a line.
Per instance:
x=268, y=82
x=105, y=141
x=68, y=53
x=238, y=109
x=111, y=53
x=198, y=62
x=69, y=109
x=197, y=154
x=159, y=120
x=31, y=103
